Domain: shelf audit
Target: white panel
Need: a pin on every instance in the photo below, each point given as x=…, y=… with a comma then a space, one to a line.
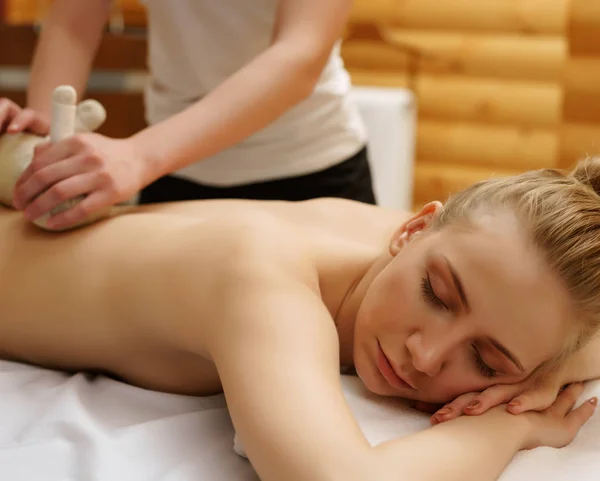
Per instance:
x=390, y=117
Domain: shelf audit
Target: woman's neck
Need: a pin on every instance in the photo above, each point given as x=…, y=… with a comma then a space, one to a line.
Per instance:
x=344, y=279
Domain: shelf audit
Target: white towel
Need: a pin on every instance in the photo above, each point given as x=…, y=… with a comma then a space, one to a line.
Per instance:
x=382, y=419
x=56, y=427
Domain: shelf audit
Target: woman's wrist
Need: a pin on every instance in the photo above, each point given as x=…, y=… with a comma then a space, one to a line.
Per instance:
x=519, y=424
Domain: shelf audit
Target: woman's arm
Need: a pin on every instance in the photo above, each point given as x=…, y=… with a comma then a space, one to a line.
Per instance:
x=268, y=86
x=276, y=350
x=66, y=48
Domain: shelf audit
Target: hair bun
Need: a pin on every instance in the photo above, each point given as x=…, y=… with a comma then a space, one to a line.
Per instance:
x=587, y=172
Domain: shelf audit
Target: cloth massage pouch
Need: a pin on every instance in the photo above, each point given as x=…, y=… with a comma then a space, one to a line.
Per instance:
x=16, y=150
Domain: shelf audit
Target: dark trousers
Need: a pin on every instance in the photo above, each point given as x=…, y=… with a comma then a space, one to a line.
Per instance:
x=350, y=179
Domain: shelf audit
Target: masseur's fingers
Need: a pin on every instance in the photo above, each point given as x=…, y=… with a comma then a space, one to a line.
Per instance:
x=57, y=194
x=56, y=151
x=8, y=110
x=453, y=409
x=26, y=191
x=80, y=212
x=49, y=176
x=29, y=120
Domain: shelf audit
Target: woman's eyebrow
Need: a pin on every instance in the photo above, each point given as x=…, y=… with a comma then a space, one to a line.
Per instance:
x=459, y=286
x=511, y=357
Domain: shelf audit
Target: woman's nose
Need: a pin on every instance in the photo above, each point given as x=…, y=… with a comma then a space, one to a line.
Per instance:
x=428, y=354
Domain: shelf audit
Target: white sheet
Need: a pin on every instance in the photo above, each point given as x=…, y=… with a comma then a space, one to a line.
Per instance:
x=55, y=427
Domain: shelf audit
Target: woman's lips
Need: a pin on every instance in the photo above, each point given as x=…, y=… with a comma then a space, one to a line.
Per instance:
x=387, y=371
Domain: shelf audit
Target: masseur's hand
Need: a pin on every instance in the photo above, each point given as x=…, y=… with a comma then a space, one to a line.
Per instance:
x=534, y=394
x=14, y=119
x=107, y=171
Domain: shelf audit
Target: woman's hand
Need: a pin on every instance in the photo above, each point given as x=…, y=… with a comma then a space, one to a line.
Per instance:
x=534, y=394
x=106, y=171
x=558, y=425
x=14, y=119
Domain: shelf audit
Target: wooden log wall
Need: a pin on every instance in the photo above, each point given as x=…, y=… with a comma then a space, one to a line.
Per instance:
x=121, y=52
x=503, y=86
x=488, y=76
x=27, y=12
x=580, y=127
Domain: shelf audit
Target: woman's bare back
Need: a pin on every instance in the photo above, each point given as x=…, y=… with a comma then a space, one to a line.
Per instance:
x=125, y=296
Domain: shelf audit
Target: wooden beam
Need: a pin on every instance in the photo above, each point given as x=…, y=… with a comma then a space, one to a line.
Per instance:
x=443, y=53
x=487, y=146
x=29, y=12
x=584, y=27
x=489, y=101
x=582, y=89
x=530, y=17
x=437, y=180
x=478, y=100
x=578, y=140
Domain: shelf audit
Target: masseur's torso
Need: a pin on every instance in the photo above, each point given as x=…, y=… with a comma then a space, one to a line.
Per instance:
x=138, y=295
x=194, y=45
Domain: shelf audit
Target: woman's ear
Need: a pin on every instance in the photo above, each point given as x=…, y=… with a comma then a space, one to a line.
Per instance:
x=413, y=226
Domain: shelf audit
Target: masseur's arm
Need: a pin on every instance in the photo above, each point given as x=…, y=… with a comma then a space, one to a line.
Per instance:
x=268, y=86
x=276, y=350
x=68, y=42
x=67, y=45
x=111, y=170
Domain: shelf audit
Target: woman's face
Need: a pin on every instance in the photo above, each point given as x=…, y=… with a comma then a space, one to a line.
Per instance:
x=457, y=310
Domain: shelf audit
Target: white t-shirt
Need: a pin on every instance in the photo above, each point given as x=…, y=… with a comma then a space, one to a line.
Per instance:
x=194, y=45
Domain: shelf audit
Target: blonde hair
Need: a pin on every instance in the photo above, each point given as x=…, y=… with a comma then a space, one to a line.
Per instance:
x=561, y=211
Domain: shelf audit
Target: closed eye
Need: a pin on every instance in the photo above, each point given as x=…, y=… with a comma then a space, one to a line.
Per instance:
x=430, y=296
x=484, y=369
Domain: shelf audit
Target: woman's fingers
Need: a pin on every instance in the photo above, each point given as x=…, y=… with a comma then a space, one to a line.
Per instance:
x=492, y=397
x=533, y=400
x=578, y=417
x=558, y=425
x=454, y=409
x=566, y=400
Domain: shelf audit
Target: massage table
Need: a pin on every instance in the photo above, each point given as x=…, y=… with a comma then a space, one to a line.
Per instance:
x=60, y=427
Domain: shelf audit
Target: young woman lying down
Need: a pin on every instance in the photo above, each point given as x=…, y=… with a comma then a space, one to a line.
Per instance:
x=265, y=301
